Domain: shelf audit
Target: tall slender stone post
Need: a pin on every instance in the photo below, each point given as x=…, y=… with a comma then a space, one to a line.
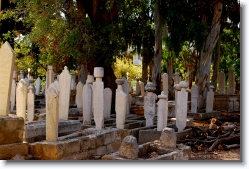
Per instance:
x=21, y=99
x=231, y=81
x=165, y=83
x=98, y=98
x=142, y=89
x=177, y=77
x=149, y=104
x=162, y=112
x=120, y=105
x=90, y=80
x=21, y=74
x=64, y=99
x=181, y=112
x=73, y=81
x=87, y=103
x=221, y=82
x=38, y=86
x=31, y=104
x=49, y=76
x=13, y=91
x=52, y=114
x=210, y=99
x=194, y=98
x=137, y=87
x=79, y=95
x=107, y=102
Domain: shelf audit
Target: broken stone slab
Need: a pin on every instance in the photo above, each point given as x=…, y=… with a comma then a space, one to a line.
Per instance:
x=36, y=130
x=168, y=138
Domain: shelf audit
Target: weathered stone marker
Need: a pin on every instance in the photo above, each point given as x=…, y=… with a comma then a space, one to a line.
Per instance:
x=149, y=104
x=210, y=99
x=181, y=107
x=177, y=77
x=231, y=81
x=98, y=98
x=165, y=78
x=129, y=148
x=120, y=106
x=73, y=81
x=13, y=91
x=64, y=99
x=38, y=86
x=21, y=99
x=87, y=101
x=162, y=112
x=52, y=114
x=137, y=86
x=31, y=104
x=168, y=138
x=194, y=98
x=79, y=95
x=21, y=74
x=49, y=76
x=126, y=91
x=142, y=89
x=7, y=57
x=221, y=82
x=107, y=102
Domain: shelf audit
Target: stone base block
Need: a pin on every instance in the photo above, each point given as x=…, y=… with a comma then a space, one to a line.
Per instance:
x=11, y=129
x=8, y=151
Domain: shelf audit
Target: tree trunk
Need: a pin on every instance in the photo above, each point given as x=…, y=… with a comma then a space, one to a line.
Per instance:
x=145, y=61
x=216, y=63
x=206, y=54
x=156, y=72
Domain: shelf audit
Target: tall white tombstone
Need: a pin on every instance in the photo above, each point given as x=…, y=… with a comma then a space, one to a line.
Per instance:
x=165, y=83
x=149, y=104
x=194, y=98
x=125, y=87
x=210, y=99
x=90, y=80
x=231, y=81
x=142, y=88
x=38, y=86
x=52, y=114
x=137, y=86
x=64, y=99
x=21, y=74
x=7, y=57
x=73, y=81
x=31, y=104
x=162, y=112
x=79, y=95
x=49, y=76
x=177, y=89
x=21, y=99
x=98, y=98
x=13, y=91
x=31, y=82
x=120, y=105
x=221, y=82
x=87, y=103
x=181, y=107
x=107, y=102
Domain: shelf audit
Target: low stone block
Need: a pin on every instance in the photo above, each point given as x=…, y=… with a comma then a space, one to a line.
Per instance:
x=8, y=151
x=168, y=138
x=11, y=129
x=129, y=148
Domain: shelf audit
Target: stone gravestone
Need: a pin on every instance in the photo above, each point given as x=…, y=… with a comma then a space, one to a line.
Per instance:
x=31, y=104
x=79, y=95
x=64, y=99
x=52, y=114
x=149, y=104
x=162, y=112
x=125, y=87
x=13, y=91
x=231, y=81
x=210, y=99
x=7, y=57
x=49, y=76
x=177, y=77
x=120, y=104
x=87, y=103
x=38, y=86
x=73, y=81
x=177, y=89
x=194, y=98
x=137, y=86
x=165, y=84
x=107, y=102
x=221, y=82
x=98, y=98
x=181, y=112
x=142, y=89
x=21, y=99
